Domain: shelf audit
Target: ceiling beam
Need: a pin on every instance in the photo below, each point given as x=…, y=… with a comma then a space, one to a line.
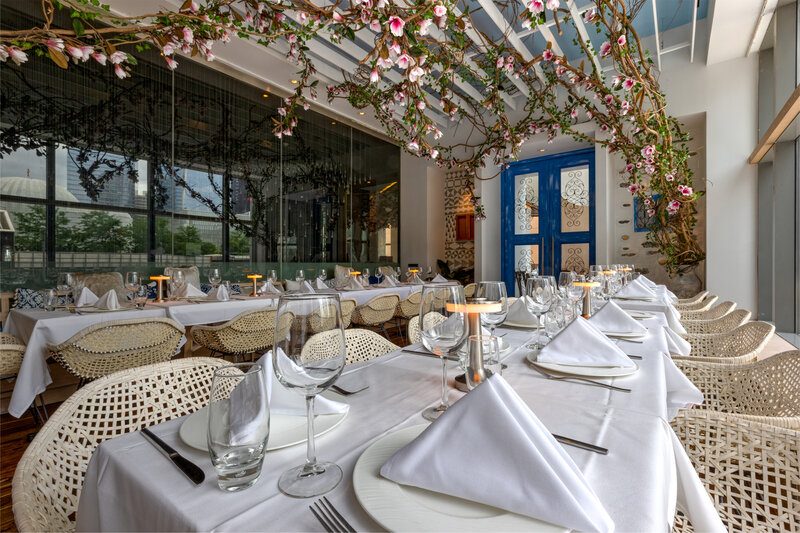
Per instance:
x=764, y=18
x=694, y=29
x=582, y=31
x=655, y=26
x=550, y=38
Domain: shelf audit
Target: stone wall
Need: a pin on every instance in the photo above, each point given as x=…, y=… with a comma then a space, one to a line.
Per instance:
x=458, y=254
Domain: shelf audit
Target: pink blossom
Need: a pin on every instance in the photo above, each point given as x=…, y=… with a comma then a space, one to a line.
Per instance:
x=500, y=62
x=649, y=169
x=647, y=201
x=628, y=167
x=3, y=53
x=385, y=63
x=561, y=70
x=287, y=132
x=120, y=72
x=616, y=81
x=55, y=44
x=424, y=26
x=421, y=105
x=526, y=24
x=279, y=17
x=193, y=7
x=375, y=25
x=403, y=61
x=605, y=48
x=337, y=17
x=396, y=25
x=590, y=15
x=75, y=52
x=439, y=10
x=633, y=187
x=188, y=35
x=381, y=4
x=622, y=40
x=625, y=107
x=415, y=73
x=282, y=111
x=374, y=76
x=171, y=63
x=303, y=17
x=629, y=84
x=434, y=154
x=573, y=113
x=651, y=212
x=687, y=191
x=168, y=49
x=185, y=48
x=118, y=57
x=669, y=177
x=609, y=99
x=210, y=56
x=413, y=146
x=17, y=55
x=100, y=58
x=395, y=49
x=548, y=55
x=552, y=4
x=536, y=6
x=648, y=150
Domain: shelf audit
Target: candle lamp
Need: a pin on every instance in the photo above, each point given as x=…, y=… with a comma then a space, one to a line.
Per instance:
x=587, y=296
x=255, y=278
x=475, y=372
x=159, y=291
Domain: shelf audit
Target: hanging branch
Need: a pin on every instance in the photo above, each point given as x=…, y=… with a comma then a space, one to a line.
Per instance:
x=423, y=57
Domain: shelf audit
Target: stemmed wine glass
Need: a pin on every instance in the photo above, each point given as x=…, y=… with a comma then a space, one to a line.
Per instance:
x=379, y=275
x=308, y=357
x=323, y=274
x=65, y=281
x=214, y=276
x=493, y=291
x=565, y=279
x=443, y=327
x=540, y=293
x=366, y=276
x=299, y=276
x=272, y=275
x=133, y=281
x=177, y=281
x=575, y=295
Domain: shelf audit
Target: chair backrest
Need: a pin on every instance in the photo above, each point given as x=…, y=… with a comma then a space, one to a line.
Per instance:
x=347, y=305
x=750, y=470
x=414, y=333
x=11, y=351
x=363, y=345
x=747, y=338
x=377, y=310
x=49, y=477
x=409, y=306
x=107, y=347
x=703, y=305
x=717, y=311
x=191, y=274
x=101, y=284
x=700, y=296
x=247, y=332
x=469, y=290
x=724, y=324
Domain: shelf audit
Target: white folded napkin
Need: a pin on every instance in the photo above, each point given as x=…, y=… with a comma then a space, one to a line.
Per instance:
x=582, y=344
x=283, y=401
x=612, y=319
x=674, y=319
x=416, y=281
x=245, y=408
x=666, y=294
x=188, y=291
x=109, y=301
x=353, y=285
x=637, y=290
x=387, y=282
x=268, y=288
x=677, y=344
x=647, y=281
x=518, y=313
x=529, y=472
x=306, y=288
x=219, y=293
x=291, y=285
x=439, y=279
x=86, y=298
x=319, y=284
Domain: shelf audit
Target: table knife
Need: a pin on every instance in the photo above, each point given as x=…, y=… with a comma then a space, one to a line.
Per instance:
x=580, y=444
x=191, y=470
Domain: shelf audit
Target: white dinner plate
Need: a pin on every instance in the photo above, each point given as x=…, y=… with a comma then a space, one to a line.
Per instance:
x=284, y=430
x=403, y=508
x=517, y=325
x=591, y=371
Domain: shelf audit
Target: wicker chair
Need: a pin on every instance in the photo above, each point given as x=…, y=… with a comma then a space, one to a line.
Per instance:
x=414, y=334
x=191, y=274
x=407, y=309
x=363, y=345
x=49, y=477
x=101, y=284
x=750, y=470
x=767, y=391
x=12, y=351
x=469, y=290
x=347, y=306
x=109, y=347
x=741, y=345
x=724, y=324
x=715, y=312
x=703, y=305
x=694, y=299
x=376, y=312
x=249, y=332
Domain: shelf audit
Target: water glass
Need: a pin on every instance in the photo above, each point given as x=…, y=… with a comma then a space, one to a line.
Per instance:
x=140, y=297
x=238, y=424
x=50, y=299
x=494, y=291
x=272, y=275
x=214, y=276
x=323, y=274
x=299, y=276
x=541, y=293
x=65, y=281
x=487, y=347
x=133, y=280
x=177, y=281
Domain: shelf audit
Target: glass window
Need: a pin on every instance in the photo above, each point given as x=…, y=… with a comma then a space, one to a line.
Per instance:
x=92, y=238
x=102, y=178
x=23, y=173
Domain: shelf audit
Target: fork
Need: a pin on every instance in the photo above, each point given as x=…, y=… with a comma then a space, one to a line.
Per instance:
x=329, y=517
x=345, y=392
x=578, y=379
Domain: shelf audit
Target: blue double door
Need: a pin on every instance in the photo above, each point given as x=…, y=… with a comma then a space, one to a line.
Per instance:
x=548, y=210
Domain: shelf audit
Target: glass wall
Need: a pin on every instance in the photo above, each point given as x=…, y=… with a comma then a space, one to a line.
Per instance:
x=178, y=168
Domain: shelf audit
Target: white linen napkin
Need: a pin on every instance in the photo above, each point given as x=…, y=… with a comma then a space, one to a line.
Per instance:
x=637, y=290
x=518, y=313
x=306, y=288
x=667, y=294
x=387, y=283
x=440, y=279
x=353, y=285
x=529, y=474
x=245, y=409
x=582, y=344
x=674, y=319
x=219, y=293
x=677, y=344
x=283, y=401
x=647, y=281
x=109, y=301
x=416, y=281
x=612, y=319
x=86, y=298
x=270, y=289
x=188, y=291
x=319, y=284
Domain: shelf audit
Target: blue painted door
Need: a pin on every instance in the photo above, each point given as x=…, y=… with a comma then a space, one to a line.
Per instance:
x=548, y=210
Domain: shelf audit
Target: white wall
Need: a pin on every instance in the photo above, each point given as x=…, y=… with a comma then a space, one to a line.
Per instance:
x=421, y=212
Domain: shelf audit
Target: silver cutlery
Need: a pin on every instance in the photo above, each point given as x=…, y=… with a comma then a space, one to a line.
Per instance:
x=626, y=339
x=578, y=379
x=345, y=392
x=429, y=354
x=331, y=519
x=191, y=470
x=580, y=444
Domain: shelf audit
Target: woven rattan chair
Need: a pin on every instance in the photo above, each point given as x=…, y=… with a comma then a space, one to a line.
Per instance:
x=703, y=305
x=767, y=391
x=407, y=309
x=414, y=335
x=101, y=283
x=249, y=332
x=376, y=312
x=49, y=477
x=715, y=312
x=700, y=296
x=363, y=345
x=469, y=290
x=741, y=345
x=12, y=351
x=191, y=274
x=724, y=324
x=749, y=469
x=347, y=306
x=109, y=347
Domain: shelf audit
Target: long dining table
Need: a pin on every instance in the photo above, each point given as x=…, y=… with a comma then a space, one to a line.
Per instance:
x=644, y=477
x=37, y=328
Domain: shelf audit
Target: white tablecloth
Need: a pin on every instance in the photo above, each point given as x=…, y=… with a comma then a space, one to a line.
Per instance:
x=129, y=486
x=661, y=306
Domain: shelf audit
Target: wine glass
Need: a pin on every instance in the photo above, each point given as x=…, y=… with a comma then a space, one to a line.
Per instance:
x=443, y=327
x=272, y=275
x=366, y=275
x=564, y=280
x=379, y=275
x=214, y=276
x=323, y=274
x=487, y=348
x=50, y=299
x=575, y=295
x=133, y=281
x=65, y=281
x=307, y=360
x=399, y=272
x=177, y=280
x=299, y=276
x=540, y=293
x=493, y=291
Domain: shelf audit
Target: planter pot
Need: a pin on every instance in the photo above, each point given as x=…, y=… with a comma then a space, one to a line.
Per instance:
x=686, y=283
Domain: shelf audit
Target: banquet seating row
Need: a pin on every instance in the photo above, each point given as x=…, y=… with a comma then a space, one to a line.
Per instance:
x=740, y=345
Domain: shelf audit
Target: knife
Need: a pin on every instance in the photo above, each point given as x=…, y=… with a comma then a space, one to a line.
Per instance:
x=580, y=444
x=191, y=470
x=430, y=354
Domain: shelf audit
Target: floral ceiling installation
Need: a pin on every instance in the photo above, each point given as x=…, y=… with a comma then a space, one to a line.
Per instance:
x=428, y=67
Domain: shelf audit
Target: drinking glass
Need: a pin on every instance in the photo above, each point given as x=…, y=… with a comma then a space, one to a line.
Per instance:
x=140, y=297
x=177, y=281
x=238, y=424
x=214, y=276
x=541, y=294
x=323, y=274
x=564, y=280
x=379, y=275
x=399, y=272
x=488, y=346
x=299, y=276
x=50, y=299
x=272, y=275
x=443, y=327
x=308, y=356
x=366, y=273
x=65, y=281
x=575, y=295
x=133, y=281
x=494, y=291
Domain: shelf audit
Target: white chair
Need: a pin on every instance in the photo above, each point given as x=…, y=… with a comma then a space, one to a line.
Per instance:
x=741, y=345
x=376, y=312
x=723, y=324
x=703, y=305
x=694, y=299
x=715, y=312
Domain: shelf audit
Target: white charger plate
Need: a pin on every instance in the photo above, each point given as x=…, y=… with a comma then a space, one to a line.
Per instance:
x=284, y=430
x=589, y=371
x=403, y=508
